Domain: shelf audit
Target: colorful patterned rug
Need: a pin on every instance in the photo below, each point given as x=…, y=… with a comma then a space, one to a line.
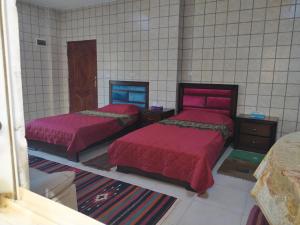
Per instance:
x=100, y=162
x=241, y=164
x=112, y=201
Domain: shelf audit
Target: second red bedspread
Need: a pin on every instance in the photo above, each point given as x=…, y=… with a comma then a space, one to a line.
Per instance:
x=186, y=154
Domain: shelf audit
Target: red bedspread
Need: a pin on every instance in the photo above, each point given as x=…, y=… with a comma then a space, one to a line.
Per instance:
x=186, y=154
x=76, y=131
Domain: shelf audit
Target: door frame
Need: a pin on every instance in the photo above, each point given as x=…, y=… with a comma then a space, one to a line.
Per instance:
x=13, y=152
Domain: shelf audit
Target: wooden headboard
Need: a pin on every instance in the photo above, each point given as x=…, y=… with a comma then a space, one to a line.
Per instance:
x=129, y=92
x=221, y=98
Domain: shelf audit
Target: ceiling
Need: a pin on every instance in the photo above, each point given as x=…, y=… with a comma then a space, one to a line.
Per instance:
x=65, y=4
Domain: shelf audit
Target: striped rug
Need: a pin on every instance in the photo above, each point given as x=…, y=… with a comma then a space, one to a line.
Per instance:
x=111, y=201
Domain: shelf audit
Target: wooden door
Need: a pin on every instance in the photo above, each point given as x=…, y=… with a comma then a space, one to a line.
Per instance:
x=82, y=63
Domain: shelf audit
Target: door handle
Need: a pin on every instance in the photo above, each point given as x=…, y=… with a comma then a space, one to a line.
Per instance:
x=0, y=125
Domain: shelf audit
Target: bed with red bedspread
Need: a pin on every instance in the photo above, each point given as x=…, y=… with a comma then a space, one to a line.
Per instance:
x=184, y=147
x=76, y=131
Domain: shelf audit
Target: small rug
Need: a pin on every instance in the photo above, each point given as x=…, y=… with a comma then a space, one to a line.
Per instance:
x=100, y=162
x=241, y=164
x=112, y=201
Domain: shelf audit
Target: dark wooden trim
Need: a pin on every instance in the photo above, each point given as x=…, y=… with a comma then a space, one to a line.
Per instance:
x=232, y=87
x=157, y=176
x=130, y=83
x=82, y=41
x=54, y=149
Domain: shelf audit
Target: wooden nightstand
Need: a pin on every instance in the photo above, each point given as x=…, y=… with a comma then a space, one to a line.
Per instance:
x=149, y=116
x=254, y=134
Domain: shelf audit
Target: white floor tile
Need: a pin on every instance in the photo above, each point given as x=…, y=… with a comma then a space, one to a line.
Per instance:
x=174, y=190
x=244, y=220
x=209, y=214
x=232, y=182
x=249, y=204
x=177, y=214
x=228, y=202
x=224, y=197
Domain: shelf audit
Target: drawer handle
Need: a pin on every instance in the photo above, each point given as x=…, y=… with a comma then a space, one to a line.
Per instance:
x=254, y=129
x=253, y=142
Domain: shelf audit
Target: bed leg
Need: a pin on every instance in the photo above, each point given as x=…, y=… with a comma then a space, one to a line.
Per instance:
x=189, y=188
x=73, y=157
x=122, y=170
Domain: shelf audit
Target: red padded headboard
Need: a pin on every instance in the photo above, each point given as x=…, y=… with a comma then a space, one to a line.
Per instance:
x=219, y=98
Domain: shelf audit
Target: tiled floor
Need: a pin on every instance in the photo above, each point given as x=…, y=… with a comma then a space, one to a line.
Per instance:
x=228, y=202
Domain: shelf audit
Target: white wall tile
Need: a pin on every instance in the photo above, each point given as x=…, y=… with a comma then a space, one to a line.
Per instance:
x=261, y=53
x=253, y=43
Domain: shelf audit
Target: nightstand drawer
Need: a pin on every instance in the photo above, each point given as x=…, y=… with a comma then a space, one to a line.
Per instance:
x=256, y=135
x=256, y=129
x=149, y=116
x=152, y=117
x=254, y=143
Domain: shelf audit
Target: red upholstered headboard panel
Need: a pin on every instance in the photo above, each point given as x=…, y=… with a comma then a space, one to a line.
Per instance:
x=219, y=98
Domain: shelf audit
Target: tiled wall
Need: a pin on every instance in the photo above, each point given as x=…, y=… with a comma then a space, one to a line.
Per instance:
x=136, y=40
x=252, y=43
x=44, y=90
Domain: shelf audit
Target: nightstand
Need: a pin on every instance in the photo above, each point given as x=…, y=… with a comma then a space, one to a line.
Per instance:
x=254, y=134
x=149, y=116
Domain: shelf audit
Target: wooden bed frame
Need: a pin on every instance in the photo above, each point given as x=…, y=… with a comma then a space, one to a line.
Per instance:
x=181, y=86
x=61, y=150
x=130, y=83
x=232, y=87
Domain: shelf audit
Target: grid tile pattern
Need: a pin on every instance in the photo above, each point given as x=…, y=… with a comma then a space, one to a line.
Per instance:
x=136, y=40
x=252, y=43
x=43, y=88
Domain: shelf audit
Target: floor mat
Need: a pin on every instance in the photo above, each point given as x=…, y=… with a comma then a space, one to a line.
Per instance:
x=241, y=164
